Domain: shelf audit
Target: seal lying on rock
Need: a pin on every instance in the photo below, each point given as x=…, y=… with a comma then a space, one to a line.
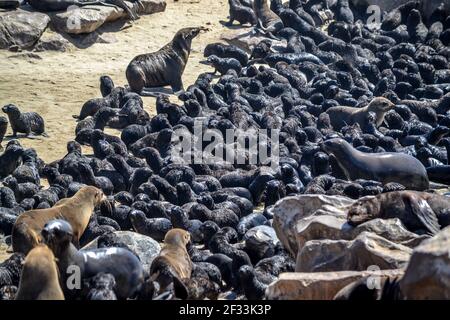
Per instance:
x=343, y=116
x=26, y=122
x=39, y=279
x=164, y=67
x=418, y=211
x=76, y=210
x=383, y=167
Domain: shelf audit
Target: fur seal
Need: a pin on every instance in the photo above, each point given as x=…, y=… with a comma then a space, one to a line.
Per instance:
x=173, y=261
x=343, y=116
x=3, y=129
x=419, y=211
x=39, y=279
x=383, y=167
x=164, y=67
x=240, y=13
x=268, y=21
x=24, y=122
x=76, y=210
x=122, y=264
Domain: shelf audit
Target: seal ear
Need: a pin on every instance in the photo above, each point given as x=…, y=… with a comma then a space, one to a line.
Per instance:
x=423, y=212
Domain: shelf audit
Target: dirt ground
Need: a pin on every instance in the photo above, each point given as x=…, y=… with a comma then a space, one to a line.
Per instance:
x=57, y=84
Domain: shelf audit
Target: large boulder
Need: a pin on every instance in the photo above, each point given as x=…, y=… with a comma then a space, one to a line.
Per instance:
x=21, y=29
x=288, y=211
x=145, y=247
x=428, y=273
x=366, y=251
x=320, y=285
x=78, y=20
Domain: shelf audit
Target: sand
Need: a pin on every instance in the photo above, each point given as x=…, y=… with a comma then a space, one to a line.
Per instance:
x=57, y=84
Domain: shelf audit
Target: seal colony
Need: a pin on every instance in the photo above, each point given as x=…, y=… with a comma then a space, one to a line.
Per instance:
x=361, y=112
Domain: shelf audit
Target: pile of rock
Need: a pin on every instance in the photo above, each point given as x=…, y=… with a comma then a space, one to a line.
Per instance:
x=22, y=28
x=331, y=254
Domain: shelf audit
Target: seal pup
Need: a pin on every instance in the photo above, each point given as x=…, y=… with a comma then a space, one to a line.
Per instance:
x=76, y=210
x=3, y=129
x=173, y=262
x=164, y=67
x=30, y=123
x=39, y=279
x=343, y=116
x=122, y=264
x=418, y=211
x=240, y=13
x=384, y=167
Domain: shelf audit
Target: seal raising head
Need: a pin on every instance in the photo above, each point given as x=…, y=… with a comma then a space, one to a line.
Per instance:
x=164, y=67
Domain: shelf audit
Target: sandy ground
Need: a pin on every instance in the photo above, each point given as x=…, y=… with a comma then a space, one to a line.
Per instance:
x=56, y=84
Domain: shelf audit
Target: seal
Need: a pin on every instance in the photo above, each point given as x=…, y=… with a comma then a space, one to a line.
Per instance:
x=343, y=116
x=3, y=129
x=268, y=21
x=76, y=210
x=419, y=211
x=24, y=122
x=39, y=278
x=164, y=67
x=122, y=264
x=240, y=13
x=384, y=167
x=173, y=260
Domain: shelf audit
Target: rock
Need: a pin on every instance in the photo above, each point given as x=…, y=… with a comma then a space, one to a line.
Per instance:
x=261, y=240
x=366, y=251
x=319, y=285
x=288, y=211
x=21, y=28
x=335, y=228
x=248, y=38
x=96, y=37
x=52, y=42
x=145, y=247
x=78, y=20
x=428, y=273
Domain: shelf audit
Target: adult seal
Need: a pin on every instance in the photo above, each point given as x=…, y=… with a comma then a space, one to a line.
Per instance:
x=30, y=123
x=343, y=116
x=268, y=21
x=119, y=262
x=420, y=212
x=173, y=262
x=164, y=67
x=383, y=167
x=39, y=279
x=77, y=211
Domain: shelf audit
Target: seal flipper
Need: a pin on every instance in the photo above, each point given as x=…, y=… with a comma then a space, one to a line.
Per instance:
x=425, y=214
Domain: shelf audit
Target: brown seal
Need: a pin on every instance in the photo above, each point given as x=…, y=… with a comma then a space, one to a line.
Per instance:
x=26, y=233
x=343, y=116
x=173, y=262
x=164, y=67
x=419, y=211
x=268, y=20
x=384, y=167
x=39, y=279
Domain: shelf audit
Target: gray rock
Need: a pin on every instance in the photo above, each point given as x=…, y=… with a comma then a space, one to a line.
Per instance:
x=428, y=273
x=262, y=240
x=145, y=247
x=288, y=211
x=87, y=19
x=366, y=251
x=52, y=42
x=320, y=285
x=21, y=28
